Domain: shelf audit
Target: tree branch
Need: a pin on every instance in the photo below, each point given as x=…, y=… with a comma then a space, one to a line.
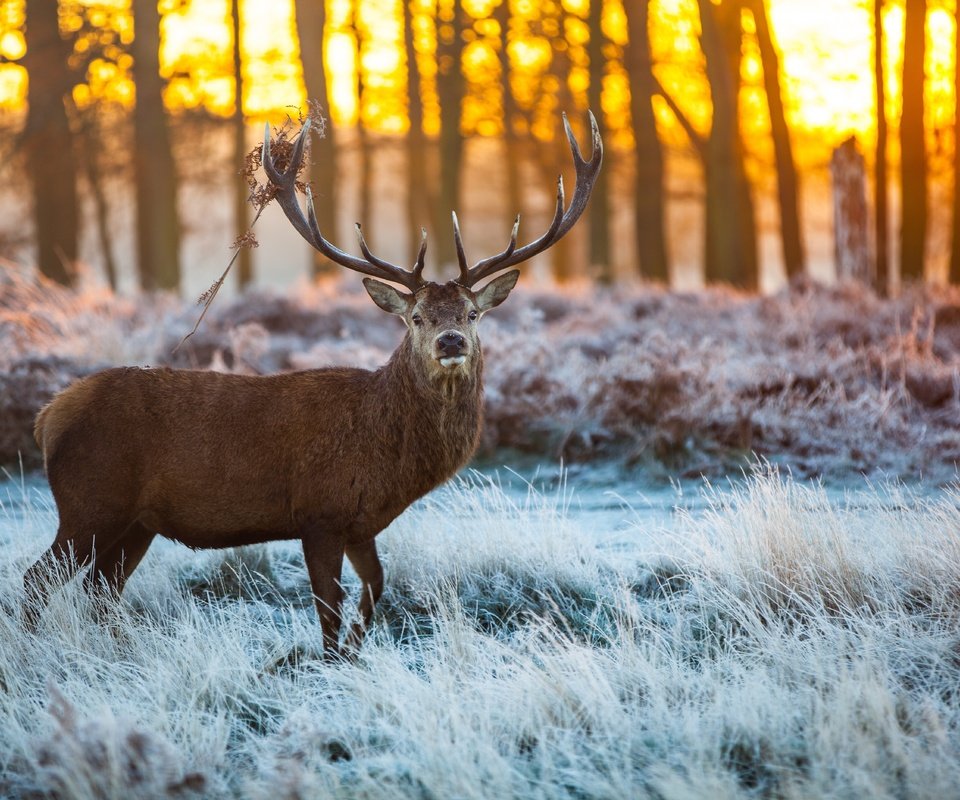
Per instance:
x=698, y=142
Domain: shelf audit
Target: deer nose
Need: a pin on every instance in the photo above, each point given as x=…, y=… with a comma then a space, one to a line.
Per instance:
x=451, y=343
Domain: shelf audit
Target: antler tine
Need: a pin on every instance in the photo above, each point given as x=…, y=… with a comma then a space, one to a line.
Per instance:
x=286, y=196
x=461, y=256
x=421, y=254
x=375, y=260
x=286, y=181
x=289, y=177
x=563, y=220
x=489, y=265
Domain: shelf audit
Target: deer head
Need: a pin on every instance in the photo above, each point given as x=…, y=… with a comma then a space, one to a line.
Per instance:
x=441, y=318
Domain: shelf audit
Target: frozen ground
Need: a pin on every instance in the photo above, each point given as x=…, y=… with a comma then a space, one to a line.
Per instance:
x=768, y=639
x=831, y=382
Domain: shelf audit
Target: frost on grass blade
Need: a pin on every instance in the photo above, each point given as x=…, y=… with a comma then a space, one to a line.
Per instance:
x=782, y=643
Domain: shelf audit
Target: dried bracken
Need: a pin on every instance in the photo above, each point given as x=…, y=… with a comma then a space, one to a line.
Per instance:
x=247, y=239
x=828, y=381
x=261, y=195
x=103, y=757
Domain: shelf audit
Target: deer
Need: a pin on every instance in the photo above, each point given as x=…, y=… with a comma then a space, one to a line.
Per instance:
x=328, y=456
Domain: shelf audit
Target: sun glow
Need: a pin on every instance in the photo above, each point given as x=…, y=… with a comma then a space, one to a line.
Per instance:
x=826, y=50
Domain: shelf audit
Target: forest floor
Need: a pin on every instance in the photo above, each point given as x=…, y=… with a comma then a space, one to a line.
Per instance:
x=766, y=636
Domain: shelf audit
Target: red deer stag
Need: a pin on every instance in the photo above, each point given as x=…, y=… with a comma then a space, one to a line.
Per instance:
x=329, y=456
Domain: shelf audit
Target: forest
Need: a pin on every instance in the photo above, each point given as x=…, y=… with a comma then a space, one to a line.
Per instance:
x=118, y=115
x=708, y=543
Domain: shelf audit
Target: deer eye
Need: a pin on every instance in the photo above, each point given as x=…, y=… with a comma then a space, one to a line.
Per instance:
x=417, y=320
x=472, y=316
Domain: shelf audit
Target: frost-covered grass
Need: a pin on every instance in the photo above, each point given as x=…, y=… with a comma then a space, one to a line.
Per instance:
x=777, y=644
x=827, y=381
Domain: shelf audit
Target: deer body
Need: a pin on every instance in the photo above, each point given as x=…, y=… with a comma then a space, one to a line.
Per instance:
x=214, y=460
x=328, y=456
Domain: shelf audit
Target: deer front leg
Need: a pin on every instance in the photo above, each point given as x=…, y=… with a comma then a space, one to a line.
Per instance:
x=324, y=558
x=365, y=561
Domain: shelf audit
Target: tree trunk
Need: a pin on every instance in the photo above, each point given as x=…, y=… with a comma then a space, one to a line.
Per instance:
x=555, y=157
x=311, y=20
x=364, y=154
x=882, y=276
x=955, y=241
x=511, y=145
x=913, y=161
x=850, y=213
x=598, y=212
x=450, y=90
x=48, y=143
x=91, y=146
x=649, y=191
x=418, y=210
x=158, y=228
x=240, y=189
x=788, y=182
x=731, y=239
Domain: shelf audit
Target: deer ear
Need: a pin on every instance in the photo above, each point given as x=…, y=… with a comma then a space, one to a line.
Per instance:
x=388, y=298
x=495, y=292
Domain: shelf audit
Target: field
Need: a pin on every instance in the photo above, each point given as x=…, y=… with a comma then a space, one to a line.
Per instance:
x=765, y=635
x=775, y=642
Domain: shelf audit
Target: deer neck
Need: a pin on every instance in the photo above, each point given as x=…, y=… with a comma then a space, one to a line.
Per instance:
x=440, y=417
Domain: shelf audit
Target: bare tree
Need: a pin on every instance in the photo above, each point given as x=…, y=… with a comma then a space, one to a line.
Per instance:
x=240, y=188
x=158, y=228
x=731, y=246
x=649, y=190
x=955, y=241
x=48, y=142
x=508, y=104
x=849, y=175
x=882, y=276
x=599, y=212
x=364, y=150
x=450, y=91
x=92, y=147
x=550, y=155
x=788, y=181
x=311, y=22
x=418, y=205
x=913, y=160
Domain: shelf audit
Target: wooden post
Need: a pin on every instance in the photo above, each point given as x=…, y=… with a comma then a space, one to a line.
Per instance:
x=849, y=176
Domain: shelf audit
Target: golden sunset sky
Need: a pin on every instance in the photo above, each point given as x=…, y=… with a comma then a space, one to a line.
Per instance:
x=826, y=48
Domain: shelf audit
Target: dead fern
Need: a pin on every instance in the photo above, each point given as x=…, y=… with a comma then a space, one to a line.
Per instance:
x=262, y=193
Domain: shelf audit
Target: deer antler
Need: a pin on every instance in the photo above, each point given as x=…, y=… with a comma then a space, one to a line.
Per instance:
x=587, y=172
x=286, y=183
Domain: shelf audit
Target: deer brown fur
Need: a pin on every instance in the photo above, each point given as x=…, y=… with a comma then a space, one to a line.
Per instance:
x=327, y=456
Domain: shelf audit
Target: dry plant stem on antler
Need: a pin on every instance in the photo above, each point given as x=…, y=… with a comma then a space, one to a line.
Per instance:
x=207, y=298
x=261, y=195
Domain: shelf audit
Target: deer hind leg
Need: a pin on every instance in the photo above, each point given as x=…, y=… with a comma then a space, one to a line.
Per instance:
x=324, y=558
x=78, y=538
x=111, y=568
x=55, y=567
x=367, y=565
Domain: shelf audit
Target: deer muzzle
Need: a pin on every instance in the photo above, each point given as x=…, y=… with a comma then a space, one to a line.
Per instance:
x=451, y=349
